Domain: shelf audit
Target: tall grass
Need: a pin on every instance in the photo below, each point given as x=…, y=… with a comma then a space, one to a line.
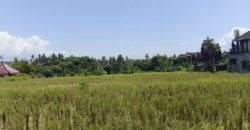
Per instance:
x=139, y=101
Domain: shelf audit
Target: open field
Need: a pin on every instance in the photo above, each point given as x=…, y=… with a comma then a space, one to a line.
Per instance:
x=139, y=101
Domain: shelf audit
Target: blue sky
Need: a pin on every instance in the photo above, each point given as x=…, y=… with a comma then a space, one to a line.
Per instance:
x=111, y=27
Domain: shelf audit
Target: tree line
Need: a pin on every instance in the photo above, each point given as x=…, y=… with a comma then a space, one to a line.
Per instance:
x=59, y=65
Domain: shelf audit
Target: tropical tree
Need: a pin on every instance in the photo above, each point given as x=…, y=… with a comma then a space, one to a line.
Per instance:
x=210, y=51
x=22, y=65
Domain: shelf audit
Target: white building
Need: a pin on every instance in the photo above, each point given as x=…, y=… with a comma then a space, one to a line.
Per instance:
x=240, y=53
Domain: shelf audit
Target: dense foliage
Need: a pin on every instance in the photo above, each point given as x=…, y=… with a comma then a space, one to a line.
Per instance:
x=157, y=101
x=58, y=65
x=210, y=52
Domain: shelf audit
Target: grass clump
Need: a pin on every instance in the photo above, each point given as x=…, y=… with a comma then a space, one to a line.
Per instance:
x=83, y=85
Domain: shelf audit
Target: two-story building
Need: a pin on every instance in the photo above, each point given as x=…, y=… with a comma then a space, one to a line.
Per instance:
x=240, y=53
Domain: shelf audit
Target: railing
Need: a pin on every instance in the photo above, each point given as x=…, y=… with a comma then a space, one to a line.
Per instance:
x=237, y=52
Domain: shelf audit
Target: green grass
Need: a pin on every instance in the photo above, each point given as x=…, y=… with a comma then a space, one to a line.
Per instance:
x=139, y=101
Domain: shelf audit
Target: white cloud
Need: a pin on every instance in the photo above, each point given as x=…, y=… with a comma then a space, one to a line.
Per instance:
x=12, y=46
x=226, y=40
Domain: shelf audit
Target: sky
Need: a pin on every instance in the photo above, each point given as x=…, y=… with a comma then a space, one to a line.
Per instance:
x=110, y=27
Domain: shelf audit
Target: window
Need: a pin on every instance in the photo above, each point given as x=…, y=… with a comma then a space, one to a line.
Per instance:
x=233, y=61
x=244, y=64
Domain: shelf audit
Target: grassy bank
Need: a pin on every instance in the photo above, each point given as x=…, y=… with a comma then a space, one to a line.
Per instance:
x=138, y=101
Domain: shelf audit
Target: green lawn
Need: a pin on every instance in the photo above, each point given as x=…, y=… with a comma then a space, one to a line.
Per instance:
x=139, y=101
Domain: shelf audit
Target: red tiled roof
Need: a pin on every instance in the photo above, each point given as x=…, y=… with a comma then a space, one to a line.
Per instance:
x=11, y=70
x=5, y=69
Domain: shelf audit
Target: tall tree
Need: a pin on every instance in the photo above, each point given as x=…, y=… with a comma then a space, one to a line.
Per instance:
x=210, y=52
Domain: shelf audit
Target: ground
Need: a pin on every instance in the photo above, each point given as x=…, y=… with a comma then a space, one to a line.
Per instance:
x=137, y=101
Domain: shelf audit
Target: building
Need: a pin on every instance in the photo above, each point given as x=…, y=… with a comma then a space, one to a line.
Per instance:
x=190, y=56
x=240, y=53
x=6, y=70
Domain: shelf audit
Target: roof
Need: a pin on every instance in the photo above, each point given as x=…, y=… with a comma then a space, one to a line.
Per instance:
x=245, y=36
x=190, y=54
x=3, y=70
x=6, y=69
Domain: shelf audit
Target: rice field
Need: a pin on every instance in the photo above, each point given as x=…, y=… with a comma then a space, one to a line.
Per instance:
x=146, y=101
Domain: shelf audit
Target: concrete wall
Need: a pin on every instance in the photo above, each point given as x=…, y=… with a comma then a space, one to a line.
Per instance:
x=238, y=67
x=248, y=45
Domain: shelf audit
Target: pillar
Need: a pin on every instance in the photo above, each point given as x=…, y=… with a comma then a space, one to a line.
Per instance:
x=249, y=45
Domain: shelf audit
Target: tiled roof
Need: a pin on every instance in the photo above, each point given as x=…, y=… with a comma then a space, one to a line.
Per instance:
x=11, y=70
x=244, y=36
x=5, y=69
